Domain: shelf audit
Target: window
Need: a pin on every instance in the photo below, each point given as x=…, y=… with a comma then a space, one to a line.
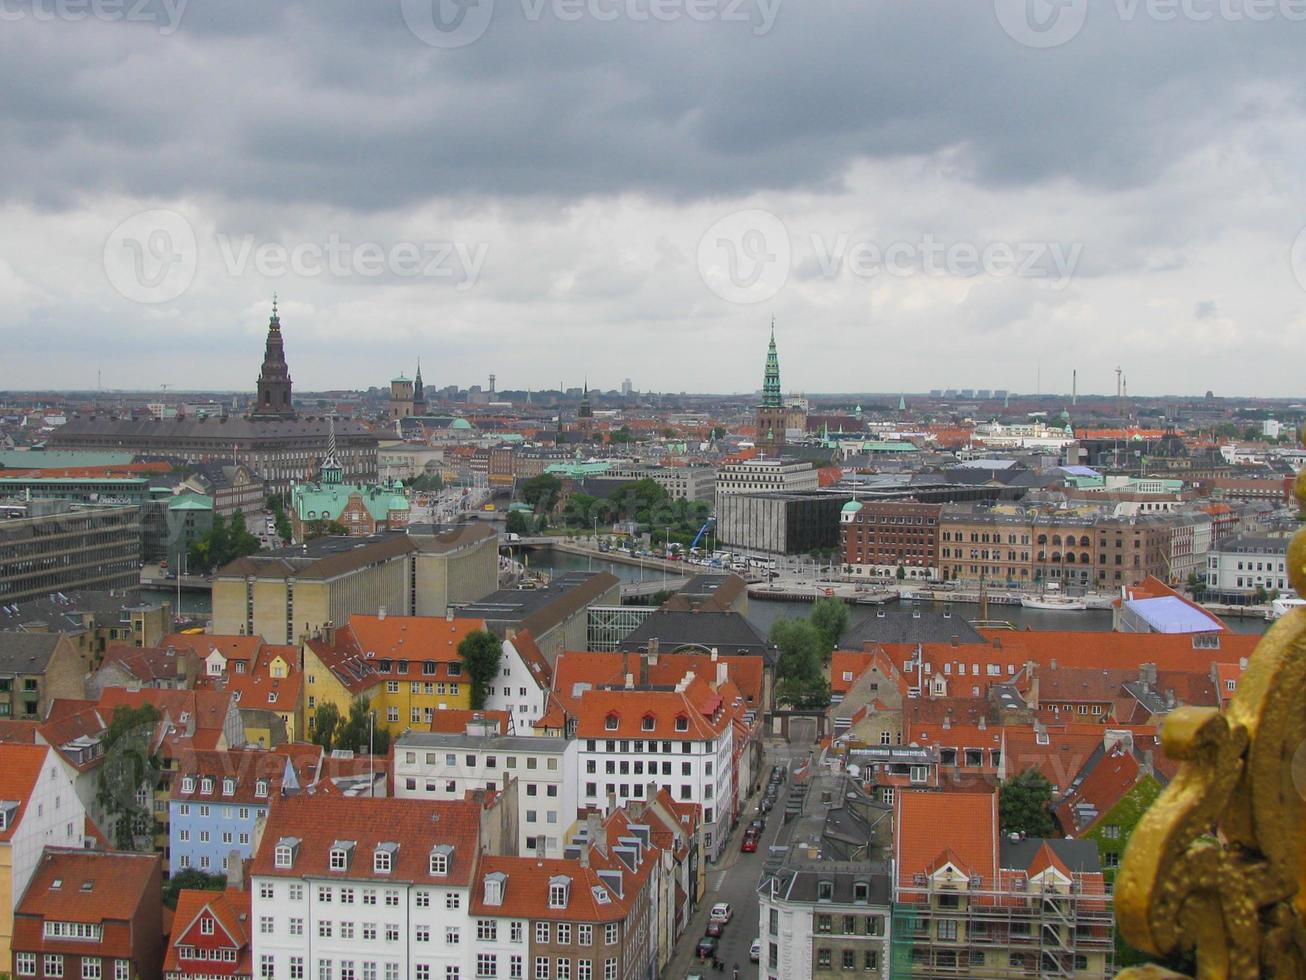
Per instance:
x=541, y=968
x=53, y=965
x=487, y=965
x=296, y=926
x=515, y=967
x=542, y=932
x=25, y=964
x=610, y=934
x=266, y=967
x=451, y=936
x=452, y=900
x=564, y=968
x=823, y=959
x=563, y=934
x=91, y=968
x=849, y=961
x=585, y=935
x=382, y=859
x=487, y=930
x=265, y=925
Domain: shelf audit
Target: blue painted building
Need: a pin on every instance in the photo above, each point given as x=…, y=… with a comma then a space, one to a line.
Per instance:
x=217, y=796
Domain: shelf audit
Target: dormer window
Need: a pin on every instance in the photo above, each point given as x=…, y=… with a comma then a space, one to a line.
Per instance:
x=682, y=723
x=206, y=785
x=494, y=885
x=610, y=723
x=284, y=854
x=646, y=723
x=825, y=891
x=383, y=858
x=341, y=852
x=559, y=890
x=228, y=786
x=261, y=788
x=272, y=697
x=188, y=784
x=441, y=854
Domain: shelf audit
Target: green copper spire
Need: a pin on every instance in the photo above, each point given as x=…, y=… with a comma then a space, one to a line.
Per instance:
x=771, y=383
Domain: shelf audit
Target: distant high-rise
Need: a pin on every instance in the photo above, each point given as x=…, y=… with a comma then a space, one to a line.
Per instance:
x=771, y=414
x=274, y=397
x=626, y=388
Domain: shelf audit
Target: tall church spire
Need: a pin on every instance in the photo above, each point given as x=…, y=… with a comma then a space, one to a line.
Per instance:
x=419, y=393
x=771, y=397
x=274, y=388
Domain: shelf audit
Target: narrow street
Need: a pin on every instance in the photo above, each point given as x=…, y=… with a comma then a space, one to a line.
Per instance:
x=734, y=879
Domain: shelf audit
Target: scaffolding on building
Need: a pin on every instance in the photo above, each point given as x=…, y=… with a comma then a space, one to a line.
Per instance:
x=1019, y=929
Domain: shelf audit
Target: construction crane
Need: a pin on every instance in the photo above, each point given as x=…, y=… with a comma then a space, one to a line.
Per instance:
x=701, y=531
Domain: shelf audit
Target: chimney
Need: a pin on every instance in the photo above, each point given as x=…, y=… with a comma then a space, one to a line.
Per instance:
x=329, y=633
x=955, y=641
x=643, y=671
x=982, y=725
x=714, y=654
x=448, y=614
x=1147, y=675
x=380, y=612
x=722, y=673
x=947, y=720
x=235, y=871
x=1052, y=664
x=1169, y=697
x=612, y=801
x=653, y=649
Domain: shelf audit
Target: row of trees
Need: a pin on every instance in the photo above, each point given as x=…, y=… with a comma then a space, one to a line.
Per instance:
x=643, y=502
x=805, y=646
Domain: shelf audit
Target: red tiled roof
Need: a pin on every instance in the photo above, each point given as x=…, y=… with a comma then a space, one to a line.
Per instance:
x=929, y=824
x=634, y=713
x=23, y=732
x=318, y=821
x=74, y=885
x=229, y=909
x=1112, y=776
x=526, y=890
x=246, y=767
x=20, y=767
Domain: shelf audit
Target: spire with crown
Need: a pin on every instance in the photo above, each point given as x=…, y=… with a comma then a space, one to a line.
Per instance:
x=771, y=397
x=331, y=472
x=273, y=400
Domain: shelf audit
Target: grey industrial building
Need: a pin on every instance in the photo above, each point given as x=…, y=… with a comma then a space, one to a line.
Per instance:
x=787, y=523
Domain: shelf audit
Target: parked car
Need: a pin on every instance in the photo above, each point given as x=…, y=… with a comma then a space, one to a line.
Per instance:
x=715, y=928
x=755, y=950
x=706, y=947
x=757, y=824
x=749, y=844
x=721, y=912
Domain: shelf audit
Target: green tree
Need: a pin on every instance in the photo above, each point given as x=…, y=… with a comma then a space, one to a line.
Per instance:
x=902, y=573
x=353, y=732
x=481, y=652
x=541, y=492
x=240, y=542
x=193, y=879
x=718, y=432
x=802, y=648
x=128, y=767
x=830, y=616
x=518, y=523
x=321, y=529
x=1024, y=805
x=325, y=722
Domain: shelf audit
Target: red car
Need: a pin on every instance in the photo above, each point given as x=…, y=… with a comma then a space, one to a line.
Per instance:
x=749, y=845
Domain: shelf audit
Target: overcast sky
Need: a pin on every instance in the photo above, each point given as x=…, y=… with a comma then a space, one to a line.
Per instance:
x=923, y=193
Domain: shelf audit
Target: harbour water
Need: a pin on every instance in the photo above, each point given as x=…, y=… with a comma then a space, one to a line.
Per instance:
x=763, y=613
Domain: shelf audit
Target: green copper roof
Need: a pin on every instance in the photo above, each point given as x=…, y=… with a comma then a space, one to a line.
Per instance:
x=191, y=501
x=771, y=381
x=460, y=424
x=852, y=507
x=326, y=502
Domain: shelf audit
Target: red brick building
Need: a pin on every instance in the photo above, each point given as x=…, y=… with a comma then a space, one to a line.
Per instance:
x=91, y=914
x=878, y=537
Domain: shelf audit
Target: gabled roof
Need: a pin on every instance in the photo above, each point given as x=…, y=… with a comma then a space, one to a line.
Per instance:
x=636, y=713
x=20, y=768
x=524, y=643
x=246, y=768
x=229, y=909
x=1102, y=783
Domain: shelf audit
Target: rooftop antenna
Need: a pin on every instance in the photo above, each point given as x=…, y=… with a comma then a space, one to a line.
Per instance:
x=1074, y=386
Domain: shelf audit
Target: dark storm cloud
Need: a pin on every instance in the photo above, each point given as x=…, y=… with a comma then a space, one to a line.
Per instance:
x=339, y=103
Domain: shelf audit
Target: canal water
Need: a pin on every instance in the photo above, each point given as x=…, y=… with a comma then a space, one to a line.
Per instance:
x=763, y=612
